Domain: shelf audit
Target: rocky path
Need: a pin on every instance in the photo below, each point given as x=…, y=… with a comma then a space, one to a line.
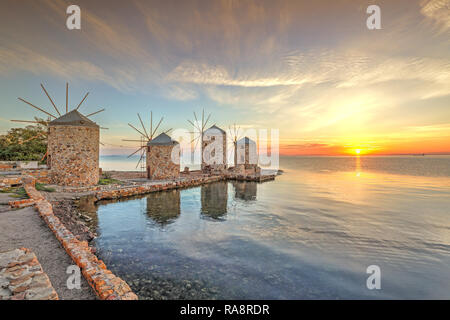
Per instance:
x=25, y=228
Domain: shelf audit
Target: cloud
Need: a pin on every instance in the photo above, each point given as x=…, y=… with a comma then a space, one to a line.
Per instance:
x=180, y=93
x=430, y=129
x=438, y=11
x=202, y=73
x=16, y=57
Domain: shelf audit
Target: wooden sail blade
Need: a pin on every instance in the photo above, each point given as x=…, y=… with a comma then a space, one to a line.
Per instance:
x=136, y=151
x=203, y=117
x=23, y=100
x=29, y=121
x=151, y=125
x=195, y=138
x=195, y=116
x=131, y=140
x=157, y=126
x=206, y=122
x=104, y=128
x=48, y=96
x=82, y=101
x=143, y=127
x=232, y=137
x=46, y=153
x=31, y=138
x=168, y=130
x=136, y=130
x=67, y=97
x=140, y=159
x=91, y=114
x=195, y=127
x=196, y=143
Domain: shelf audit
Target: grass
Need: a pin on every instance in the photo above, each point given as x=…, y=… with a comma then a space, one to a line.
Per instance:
x=6, y=190
x=43, y=187
x=106, y=181
x=16, y=192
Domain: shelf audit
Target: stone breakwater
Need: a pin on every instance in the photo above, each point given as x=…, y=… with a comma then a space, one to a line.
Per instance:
x=22, y=277
x=143, y=189
x=21, y=203
x=255, y=178
x=106, y=285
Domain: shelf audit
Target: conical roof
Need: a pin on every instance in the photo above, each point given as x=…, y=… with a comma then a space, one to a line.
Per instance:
x=246, y=140
x=162, y=140
x=73, y=118
x=215, y=128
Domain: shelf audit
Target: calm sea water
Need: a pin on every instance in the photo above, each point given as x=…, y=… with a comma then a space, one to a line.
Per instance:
x=311, y=234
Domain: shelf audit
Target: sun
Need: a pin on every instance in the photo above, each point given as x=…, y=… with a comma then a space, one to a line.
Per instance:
x=358, y=151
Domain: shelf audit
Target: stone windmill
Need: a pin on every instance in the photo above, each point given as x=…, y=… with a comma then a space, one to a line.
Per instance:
x=214, y=146
x=72, y=144
x=155, y=151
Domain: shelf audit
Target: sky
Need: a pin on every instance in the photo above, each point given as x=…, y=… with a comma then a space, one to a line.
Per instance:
x=310, y=69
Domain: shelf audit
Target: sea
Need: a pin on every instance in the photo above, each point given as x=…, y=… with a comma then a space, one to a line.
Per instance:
x=366, y=227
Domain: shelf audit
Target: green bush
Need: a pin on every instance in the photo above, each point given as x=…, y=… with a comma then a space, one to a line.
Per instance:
x=24, y=144
x=43, y=187
x=104, y=181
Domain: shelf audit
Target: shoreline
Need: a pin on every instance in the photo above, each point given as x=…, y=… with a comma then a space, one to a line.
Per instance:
x=66, y=211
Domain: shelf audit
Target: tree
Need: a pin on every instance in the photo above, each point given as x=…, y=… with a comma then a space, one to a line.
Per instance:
x=24, y=144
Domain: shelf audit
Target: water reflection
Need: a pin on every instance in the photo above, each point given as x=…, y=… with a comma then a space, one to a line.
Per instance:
x=164, y=207
x=88, y=210
x=310, y=234
x=358, y=165
x=214, y=200
x=245, y=190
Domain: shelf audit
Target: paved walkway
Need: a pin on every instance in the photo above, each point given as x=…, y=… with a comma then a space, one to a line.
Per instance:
x=25, y=228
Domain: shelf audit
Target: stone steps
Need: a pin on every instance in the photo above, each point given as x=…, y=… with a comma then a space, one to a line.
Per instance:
x=22, y=277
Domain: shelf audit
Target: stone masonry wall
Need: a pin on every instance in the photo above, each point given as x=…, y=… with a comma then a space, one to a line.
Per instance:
x=41, y=175
x=160, y=165
x=74, y=155
x=214, y=151
x=8, y=181
x=106, y=285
